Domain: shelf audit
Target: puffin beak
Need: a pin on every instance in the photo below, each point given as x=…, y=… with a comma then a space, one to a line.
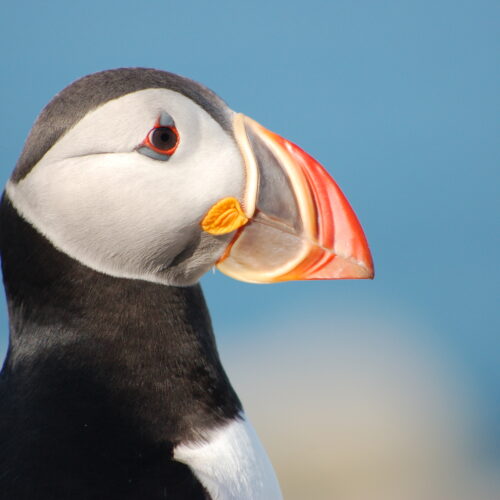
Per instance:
x=294, y=223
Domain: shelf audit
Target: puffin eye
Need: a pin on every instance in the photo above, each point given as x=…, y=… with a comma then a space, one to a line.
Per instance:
x=160, y=143
x=164, y=139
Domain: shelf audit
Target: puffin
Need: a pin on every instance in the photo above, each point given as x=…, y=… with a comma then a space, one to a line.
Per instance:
x=131, y=185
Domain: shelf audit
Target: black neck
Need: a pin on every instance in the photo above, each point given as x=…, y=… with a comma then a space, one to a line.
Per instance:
x=139, y=354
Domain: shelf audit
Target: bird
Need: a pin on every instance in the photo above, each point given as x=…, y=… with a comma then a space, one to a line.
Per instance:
x=132, y=184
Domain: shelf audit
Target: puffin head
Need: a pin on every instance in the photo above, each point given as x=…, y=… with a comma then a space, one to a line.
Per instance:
x=143, y=174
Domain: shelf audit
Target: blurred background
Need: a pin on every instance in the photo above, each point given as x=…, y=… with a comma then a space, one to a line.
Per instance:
x=360, y=390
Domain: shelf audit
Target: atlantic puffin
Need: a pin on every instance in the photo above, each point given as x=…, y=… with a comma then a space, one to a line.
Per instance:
x=131, y=185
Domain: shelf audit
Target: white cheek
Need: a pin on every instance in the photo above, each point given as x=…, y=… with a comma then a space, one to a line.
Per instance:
x=123, y=213
x=231, y=464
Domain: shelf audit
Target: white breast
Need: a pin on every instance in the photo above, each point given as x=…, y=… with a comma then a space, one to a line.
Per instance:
x=231, y=463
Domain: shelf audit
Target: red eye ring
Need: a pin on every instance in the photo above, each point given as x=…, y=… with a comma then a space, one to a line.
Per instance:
x=162, y=140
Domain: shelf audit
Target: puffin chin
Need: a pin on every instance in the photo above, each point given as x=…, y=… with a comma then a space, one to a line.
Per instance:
x=187, y=268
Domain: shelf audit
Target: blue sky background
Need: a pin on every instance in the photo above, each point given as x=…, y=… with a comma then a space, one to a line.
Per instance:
x=398, y=99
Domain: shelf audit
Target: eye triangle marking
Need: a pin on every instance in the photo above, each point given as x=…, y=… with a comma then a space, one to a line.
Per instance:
x=165, y=120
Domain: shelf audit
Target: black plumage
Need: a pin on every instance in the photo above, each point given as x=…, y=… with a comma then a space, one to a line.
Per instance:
x=103, y=377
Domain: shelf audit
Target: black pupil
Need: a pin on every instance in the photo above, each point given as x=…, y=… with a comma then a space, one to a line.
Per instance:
x=163, y=138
